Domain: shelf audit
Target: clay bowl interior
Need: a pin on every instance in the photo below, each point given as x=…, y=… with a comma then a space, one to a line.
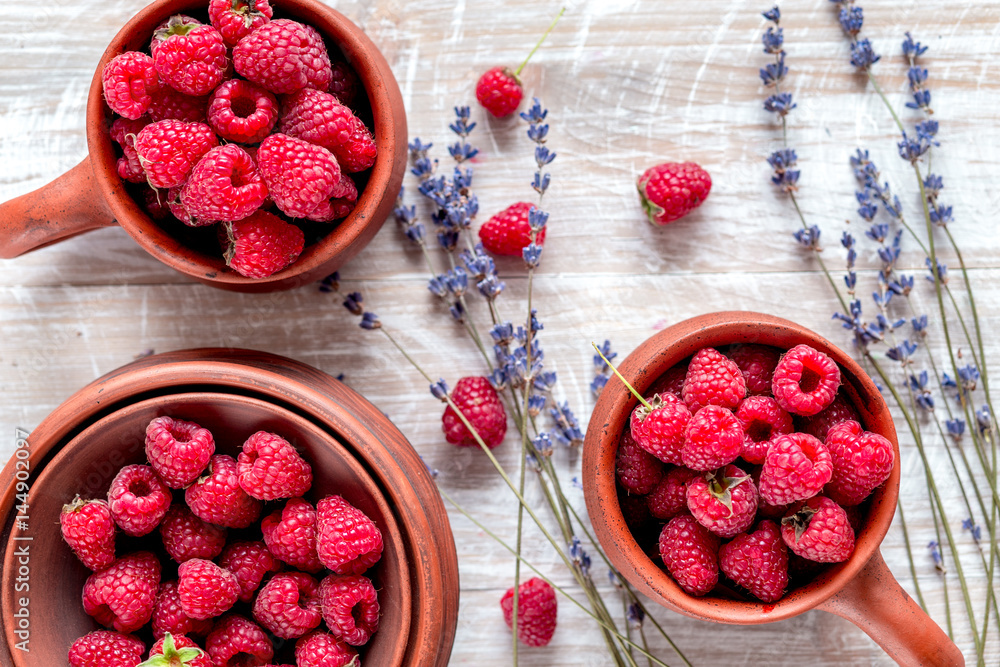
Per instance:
x=194, y=250
x=87, y=464
x=611, y=414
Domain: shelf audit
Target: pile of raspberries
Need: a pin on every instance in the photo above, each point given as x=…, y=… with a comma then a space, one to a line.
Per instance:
x=754, y=463
x=228, y=587
x=244, y=123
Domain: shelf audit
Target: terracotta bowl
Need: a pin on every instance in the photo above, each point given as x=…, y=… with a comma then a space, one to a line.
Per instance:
x=91, y=195
x=353, y=448
x=861, y=589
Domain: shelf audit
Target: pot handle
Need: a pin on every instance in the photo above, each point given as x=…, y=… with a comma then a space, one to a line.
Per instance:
x=875, y=602
x=70, y=205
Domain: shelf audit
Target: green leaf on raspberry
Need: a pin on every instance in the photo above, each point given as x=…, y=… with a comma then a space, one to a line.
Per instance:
x=171, y=656
x=722, y=487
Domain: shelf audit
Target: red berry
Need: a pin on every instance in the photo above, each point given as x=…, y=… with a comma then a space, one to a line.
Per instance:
x=724, y=501
x=128, y=82
x=537, y=609
x=634, y=511
x=269, y=468
x=138, y=499
x=216, y=497
x=321, y=649
x=341, y=202
x=805, y=381
x=762, y=420
x=669, y=497
x=236, y=642
x=177, y=450
x=691, y=553
x=819, y=530
x=241, y=111
x=320, y=119
x=284, y=56
x=104, y=648
x=508, y=232
x=350, y=607
x=235, y=19
x=185, y=536
x=862, y=461
x=347, y=541
x=300, y=176
x=839, y=411
x=224, y=186
x=250, y=562
x=344, y=82
x=757, y=561
x=637, y=470
x=261, y=244
x=168, y=650
x=154, y=205
x=712, y=379
x=168, y=103
x=89, y=530
x=123, y=594
x=757, y=364
x=478, y=401
x=289, y=605
x=499, y=91
x=712, y=439
x=169, y=616
x=190, y=57
x=204, y=589
x=290, y=535
x=796, y=467
x=671, y=190
x=169, y=149
x=660, y=430
x=123, y=131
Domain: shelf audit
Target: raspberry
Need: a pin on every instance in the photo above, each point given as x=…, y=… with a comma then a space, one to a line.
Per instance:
x=320, y=119
x=672, y=381
x=129, y=81
x=250, y=562
x=712, y=439
x=350, y=607
x=669, y=497
x=185, y=536
x=157, y=209
x=224, y=186
x=169, y=616
x=179, y=212
x=104, y=648
x=762, y=419
x=178, y=450
x=671, y=190
x=170, y=652
x=724, y=501
x=269, y=468
x=690, y=553
x=261, y=244
x=290, y=535
x=819, y=531
x=508, y=232
x=347, y=541
x=129, y=170
x=284, y=56
x=757, y=561
x=300, y=176
x=805, y=381
x=637, y=470
x=89, y=530
x=321, y=649
x=190, y=57
x=797, y=467
x=757, y=364
x=343, y=82
x=169, y=149
x=478, y=401
x=712, y=379
x=537, y=609
x=341, y=202
x=241, y=111
x=123, y=131
x=289, y=605
x=235, y=19
x=217, y=498
x=168, y=104
x=499, y=91
x=660, y=431
x=861, y=462
x=237, y=637
x=138, y=499
x=839, y=410
x=204, y=589
x=122, y=595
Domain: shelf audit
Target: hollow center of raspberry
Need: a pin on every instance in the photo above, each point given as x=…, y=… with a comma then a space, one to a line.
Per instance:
x=759, y=430
x=180, y=436
x=243, y=107
x=139, y=488
x=356, y=614
x=809, y=381
x=243, y=659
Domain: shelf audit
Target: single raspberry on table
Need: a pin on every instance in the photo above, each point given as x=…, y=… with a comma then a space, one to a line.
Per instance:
x=300, y=176
x=862, y=461
x=284, y=56
x=289, y=605
x=269, y=468
x=669, y=497
x=805, y=381
x=123, y=131
x=499, y=91
x=319, y=118
x=242, y=112
x=344, y=82
x=724, y=501
x=671, y=190
x=672, y=381
x=478, y=401
x=290, y=535
x=168, y=104
x=260, y=244
x=341, y=202
x=321, y=649
x=637, y=470
x=224, y=186
x=169, y=616
x=189, y=57
x=177, y=651
x=138, y=499
x=185, y=536
x=819, y=530
x=179, y=451
x=104, y=648
x=129, y=81
x=762, y=420
x=537, y=609
x=796, y=467
x=757, y=364
x=169, y=149
x=216, y=496
x=691, y=554
x=757, y=561
x=508, y=232
x=350, y=607
x=205, y=590
x=660, y=428
x=236, y=641
x=250, y=562
x=713, y=438
x=840, y=410
x=89, y=530
x=347, y=540
x=712, y=379
x=235, y=19
x=123, y=594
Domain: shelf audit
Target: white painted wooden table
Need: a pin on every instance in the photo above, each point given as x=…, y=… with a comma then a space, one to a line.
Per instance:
x=628, y=83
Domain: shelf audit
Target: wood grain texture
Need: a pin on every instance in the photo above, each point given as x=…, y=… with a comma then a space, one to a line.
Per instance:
x=628, y=83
